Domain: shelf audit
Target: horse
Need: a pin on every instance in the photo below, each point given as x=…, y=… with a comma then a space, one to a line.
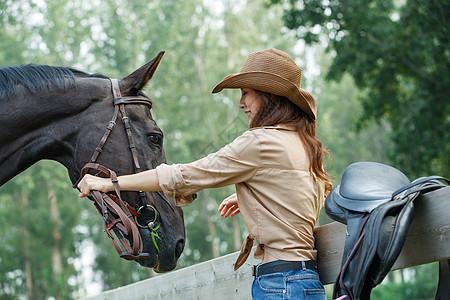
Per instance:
x=61, y=114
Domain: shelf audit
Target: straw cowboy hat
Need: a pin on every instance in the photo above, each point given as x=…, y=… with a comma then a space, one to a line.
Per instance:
x=272, y=71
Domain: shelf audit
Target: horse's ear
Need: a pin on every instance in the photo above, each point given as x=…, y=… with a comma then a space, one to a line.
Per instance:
x=137, y=80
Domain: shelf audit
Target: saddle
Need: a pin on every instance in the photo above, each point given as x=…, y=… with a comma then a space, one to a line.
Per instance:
x=376, y=202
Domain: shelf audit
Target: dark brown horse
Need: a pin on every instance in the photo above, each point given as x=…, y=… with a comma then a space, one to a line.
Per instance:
x=61, y=114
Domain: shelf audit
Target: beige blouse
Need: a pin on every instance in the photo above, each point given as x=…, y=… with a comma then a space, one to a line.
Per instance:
x=277, y=196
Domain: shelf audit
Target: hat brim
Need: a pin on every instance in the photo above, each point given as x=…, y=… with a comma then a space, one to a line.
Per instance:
x=270, y=83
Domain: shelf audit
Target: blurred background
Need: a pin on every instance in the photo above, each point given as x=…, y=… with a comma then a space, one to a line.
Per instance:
x=378, y=69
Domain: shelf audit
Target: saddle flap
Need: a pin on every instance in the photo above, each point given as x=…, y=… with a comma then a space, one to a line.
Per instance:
x=366, y=185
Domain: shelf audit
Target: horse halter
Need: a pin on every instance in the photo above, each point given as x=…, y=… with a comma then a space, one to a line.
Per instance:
x=118, y=214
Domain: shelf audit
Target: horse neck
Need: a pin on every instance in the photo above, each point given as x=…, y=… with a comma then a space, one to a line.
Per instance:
x=37, y=126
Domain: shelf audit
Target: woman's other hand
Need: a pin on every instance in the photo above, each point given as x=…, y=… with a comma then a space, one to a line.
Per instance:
x=229, y=206
x=89, y=183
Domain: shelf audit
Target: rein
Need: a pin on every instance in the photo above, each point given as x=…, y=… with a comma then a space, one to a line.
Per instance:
x=118, y=215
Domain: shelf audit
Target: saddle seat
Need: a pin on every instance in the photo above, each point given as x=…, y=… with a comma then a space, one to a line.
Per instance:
x=364, y=186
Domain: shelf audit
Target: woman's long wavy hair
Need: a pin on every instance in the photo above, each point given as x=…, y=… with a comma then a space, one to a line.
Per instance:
x=280, y=110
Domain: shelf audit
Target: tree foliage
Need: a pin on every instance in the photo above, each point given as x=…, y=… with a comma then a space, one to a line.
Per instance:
x=397, y=51
x=204, y=41
x=27, y=235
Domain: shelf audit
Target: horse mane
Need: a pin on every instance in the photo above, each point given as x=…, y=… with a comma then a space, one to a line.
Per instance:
x=38, y=77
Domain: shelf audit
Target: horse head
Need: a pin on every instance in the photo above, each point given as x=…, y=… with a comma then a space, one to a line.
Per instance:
x=62, y=114
x=136, y=147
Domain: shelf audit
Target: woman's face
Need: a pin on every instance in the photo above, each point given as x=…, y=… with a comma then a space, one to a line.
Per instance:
x=249, y=102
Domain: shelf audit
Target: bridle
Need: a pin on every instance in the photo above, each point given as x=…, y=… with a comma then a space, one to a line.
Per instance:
x=118, y=215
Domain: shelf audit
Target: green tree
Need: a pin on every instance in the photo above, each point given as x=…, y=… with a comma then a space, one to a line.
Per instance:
x=338, y=113
x=12, y=38
x=422, y=285
x=37, y=259
x=40, y=224
x=397, y=51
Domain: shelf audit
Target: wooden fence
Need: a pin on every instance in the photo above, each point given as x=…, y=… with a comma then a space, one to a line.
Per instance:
x=427, y=241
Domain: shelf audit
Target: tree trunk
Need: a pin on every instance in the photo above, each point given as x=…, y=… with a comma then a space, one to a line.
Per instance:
x=23, y=203
x=56, y=234
x=211, y=227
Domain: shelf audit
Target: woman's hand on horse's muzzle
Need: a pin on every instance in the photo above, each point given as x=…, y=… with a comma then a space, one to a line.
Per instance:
x=89, y=183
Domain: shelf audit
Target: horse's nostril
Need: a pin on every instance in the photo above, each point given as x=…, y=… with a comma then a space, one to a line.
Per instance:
x=179, y=248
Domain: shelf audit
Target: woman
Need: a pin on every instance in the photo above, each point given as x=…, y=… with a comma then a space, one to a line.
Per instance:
x=276, y=167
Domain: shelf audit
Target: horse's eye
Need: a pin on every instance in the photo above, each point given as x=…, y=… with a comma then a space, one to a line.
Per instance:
x=154, y=138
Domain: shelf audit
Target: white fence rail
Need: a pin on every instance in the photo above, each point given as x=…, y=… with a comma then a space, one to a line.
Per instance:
x=214, y=279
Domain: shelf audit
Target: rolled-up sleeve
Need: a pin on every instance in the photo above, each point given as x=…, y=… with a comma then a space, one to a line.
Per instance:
x=236, y=162
x=170, y=181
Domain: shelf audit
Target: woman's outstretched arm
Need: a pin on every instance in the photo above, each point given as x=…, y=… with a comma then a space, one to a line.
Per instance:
x=145, y=181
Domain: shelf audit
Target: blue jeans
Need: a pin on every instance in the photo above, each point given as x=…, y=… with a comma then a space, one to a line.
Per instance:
x=294, y=284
